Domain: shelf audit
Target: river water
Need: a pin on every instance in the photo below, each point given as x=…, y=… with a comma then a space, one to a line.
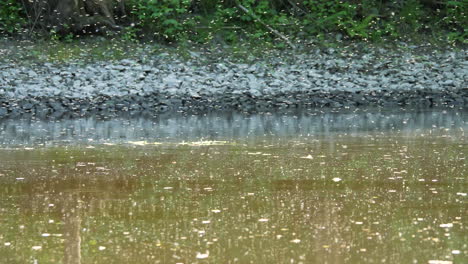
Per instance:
x=312, y=187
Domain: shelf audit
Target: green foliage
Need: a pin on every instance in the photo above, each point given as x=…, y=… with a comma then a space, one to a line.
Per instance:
x=11, y=16
x=411, y=15
x=130, y=34
x=456, y=14
x=205, y=21
x=168, y=19
x=325, y=15
x=456, y=20
x=55, y=37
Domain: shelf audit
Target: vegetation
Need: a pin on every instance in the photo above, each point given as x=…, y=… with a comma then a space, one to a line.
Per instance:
x=282, y=22
x=12, y=17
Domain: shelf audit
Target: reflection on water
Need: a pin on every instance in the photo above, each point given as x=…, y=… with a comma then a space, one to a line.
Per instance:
x=228, y=126
x=375, y=195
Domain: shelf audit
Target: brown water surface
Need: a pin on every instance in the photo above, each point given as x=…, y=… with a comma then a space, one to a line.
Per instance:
x=377, y=197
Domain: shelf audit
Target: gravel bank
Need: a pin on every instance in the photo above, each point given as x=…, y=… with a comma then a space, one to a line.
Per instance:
x=321, y=78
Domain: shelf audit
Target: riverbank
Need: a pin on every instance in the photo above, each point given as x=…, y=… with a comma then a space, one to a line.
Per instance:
x=203, y=81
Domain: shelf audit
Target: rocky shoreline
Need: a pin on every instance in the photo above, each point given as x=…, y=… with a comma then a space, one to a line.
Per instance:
x=164, y=83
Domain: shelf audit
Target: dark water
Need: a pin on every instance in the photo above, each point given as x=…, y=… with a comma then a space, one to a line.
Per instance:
x=368, y=187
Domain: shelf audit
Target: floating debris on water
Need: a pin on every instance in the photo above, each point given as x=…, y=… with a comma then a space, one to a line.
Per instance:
x=190, y=143
x=448, y=225
x=205, y=143
x=203, y=255
x=138, y=143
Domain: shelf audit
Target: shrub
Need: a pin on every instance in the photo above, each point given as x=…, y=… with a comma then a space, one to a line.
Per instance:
x=233, y=20
x=455, y=18
x=11, y=16
x=168, y=19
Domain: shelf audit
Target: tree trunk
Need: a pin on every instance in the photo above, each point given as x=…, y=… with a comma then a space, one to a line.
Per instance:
x=78, y=16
